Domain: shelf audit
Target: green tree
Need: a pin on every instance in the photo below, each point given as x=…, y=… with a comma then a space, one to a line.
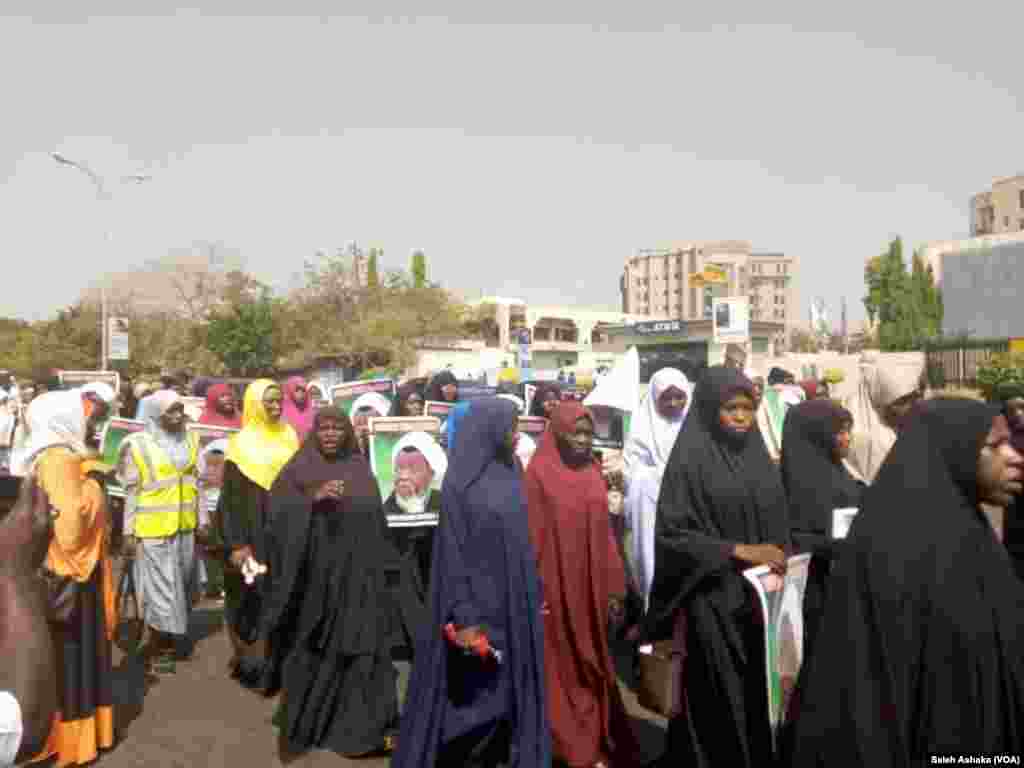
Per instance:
x=242, y=336
x=418, y=269
x=372, y=275
x=905, y=307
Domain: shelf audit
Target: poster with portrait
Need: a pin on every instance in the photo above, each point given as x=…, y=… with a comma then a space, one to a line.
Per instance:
x=72, y=379
x=384, y=435
x=345, y=395
x=111, y=441
x=208, y=433
x=782, y=605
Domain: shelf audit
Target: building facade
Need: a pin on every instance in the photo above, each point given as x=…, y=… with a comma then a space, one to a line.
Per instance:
x=1000, y=209
x=981, y=291
x=666, y=282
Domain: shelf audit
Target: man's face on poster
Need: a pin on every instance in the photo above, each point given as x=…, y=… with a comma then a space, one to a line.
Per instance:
x=413, y=474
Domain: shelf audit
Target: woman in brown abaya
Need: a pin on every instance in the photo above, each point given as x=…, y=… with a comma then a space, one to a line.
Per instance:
x=584, y=586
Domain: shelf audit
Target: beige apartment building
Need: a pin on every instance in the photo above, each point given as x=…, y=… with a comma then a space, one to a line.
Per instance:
x=657, y=283
x=999, y=210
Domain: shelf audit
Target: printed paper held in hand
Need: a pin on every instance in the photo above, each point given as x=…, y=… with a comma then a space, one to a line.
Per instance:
x=782, y=605
x=251, y=569
x=842, y=519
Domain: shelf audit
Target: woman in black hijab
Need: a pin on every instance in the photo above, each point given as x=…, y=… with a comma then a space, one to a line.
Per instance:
x=409, y=400
x=722, y=509
x=545, y=398
x=325, y=619
x=444, y=388
x=1011, y=397
x=919, y=651
x=815, y=440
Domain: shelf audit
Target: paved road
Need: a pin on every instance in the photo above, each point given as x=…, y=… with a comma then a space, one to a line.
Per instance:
x=200, y=717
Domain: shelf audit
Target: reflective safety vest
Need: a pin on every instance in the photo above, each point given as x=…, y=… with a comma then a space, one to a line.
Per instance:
x=167, y=499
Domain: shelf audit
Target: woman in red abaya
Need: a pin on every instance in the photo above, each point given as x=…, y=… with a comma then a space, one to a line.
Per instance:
x=584, y=585
x=221, y=410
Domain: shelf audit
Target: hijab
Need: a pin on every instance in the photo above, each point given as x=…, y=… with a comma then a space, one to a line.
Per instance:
x=301, y=419
x=432, y=452
x=451, y=425
x=102, y=390
x=719, y=488
x=919, y=650
x=651, y=435
x=778, y=376
x=580, y=569
x=884, y=380
x=541, y=393
x=442, y=379
x=403, y=393
x=262, y=448
x=175, y=444
x=816, y=482
x=483, y=571
x=212, y=415
x=214, y=446
x=52, y=419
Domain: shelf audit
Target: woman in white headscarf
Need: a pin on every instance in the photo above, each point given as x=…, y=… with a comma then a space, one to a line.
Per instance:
x=889, y=385
x=78, y=568
x=652, y=435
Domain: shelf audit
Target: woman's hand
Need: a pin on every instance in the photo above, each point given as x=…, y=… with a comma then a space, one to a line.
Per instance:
x=332, y=489
x=240, y=555
x=761, y=554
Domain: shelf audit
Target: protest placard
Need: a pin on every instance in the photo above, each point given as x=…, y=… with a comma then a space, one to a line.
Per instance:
x=782, y=605
x=384, y=436
x=72, y=379
x=345, y=395
x=208, y=433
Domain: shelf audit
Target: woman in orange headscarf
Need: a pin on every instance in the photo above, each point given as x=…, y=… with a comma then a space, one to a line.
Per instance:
x=78, y=570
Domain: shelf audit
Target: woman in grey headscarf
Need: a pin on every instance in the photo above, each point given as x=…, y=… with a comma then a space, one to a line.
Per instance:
x=157, y=469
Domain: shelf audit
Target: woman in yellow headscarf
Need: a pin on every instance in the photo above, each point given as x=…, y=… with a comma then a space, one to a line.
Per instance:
x=255, y=456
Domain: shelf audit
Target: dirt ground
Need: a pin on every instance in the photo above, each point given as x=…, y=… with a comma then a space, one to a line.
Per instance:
x=200, y=717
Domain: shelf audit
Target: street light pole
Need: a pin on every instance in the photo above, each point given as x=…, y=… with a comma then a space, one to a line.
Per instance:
x=103, y=195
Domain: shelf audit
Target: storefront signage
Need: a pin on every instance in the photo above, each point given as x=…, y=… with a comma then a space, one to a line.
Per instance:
x=659, y=327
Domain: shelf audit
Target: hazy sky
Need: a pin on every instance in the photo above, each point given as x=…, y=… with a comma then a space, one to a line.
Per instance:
x=528, y=151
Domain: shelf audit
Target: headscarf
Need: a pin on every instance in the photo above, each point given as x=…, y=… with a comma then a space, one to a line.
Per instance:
x=214, y=446
x=212, y=414
x=54, y=418
x=718, y=486
x=431, y=450
x=541, y=393
x=403, y=393
x=816, y=483
x=373, y=400
x=483, y=572
x=580, y=569
x=884, y=380
x=518, y=401
x=778, y=376
x=451, y=424
x=261, y=449
x=199, y=387
x=651, y=435
x=301, y=419
x=919, y=650
x=442, y=379
x=810, y=388
x=175, y=445
x=103, y=391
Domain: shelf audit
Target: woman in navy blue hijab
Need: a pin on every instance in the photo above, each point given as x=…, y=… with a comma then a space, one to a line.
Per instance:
x=464, y=709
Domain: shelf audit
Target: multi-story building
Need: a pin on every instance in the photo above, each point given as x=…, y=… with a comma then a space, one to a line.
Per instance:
x=660, y=282
x=1000, y=209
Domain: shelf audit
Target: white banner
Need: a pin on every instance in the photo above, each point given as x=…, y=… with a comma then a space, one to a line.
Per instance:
x=117, y=339
x=731, y=317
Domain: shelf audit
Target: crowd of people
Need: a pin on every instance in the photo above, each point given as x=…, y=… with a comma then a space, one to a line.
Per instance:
x=508, y=605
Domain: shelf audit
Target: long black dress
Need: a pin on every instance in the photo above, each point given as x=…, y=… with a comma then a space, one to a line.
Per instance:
x=326, y=608
x=919, y=651
x=720, y=489
x=816, y=484
x=243, y=511
x=407, y=576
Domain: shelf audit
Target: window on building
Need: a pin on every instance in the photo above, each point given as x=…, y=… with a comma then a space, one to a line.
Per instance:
x=785, y=269
x=1020, y=201
x=1006, y=222
x=693, y=303
x=1021, y=222
x=693, y=262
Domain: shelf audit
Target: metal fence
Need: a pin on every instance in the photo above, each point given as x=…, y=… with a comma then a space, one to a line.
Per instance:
x=958, y=365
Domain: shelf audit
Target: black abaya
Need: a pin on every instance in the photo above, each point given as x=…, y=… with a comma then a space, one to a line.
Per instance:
x=718, y=490
x=326, y=609
x=407, y=575
x=919, y=651
x=816, y=483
